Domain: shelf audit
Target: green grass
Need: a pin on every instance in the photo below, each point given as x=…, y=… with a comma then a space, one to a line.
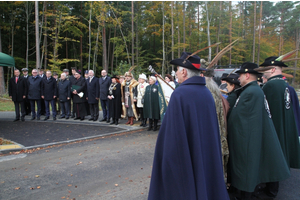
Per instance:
x=6, y=104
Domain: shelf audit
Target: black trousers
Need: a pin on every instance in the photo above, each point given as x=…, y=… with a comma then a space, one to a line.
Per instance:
x=17, y=109
x=65, y=108
x=27, y=106
x=141, y=113
x=94, y=110
x=32, y=105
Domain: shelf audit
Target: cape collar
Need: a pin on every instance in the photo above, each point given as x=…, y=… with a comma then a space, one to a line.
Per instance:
x=275, y=77
x=195, y=80
x=245, y=86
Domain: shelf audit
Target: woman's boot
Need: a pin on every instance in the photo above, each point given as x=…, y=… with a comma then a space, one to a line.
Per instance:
x=150, y=125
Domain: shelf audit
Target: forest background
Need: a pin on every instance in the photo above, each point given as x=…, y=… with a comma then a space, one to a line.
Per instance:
x=115, y=35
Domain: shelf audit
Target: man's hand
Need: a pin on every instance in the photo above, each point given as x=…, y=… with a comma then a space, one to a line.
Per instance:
x=87, y=98
x=10, y=96
x=97, y=99
x=24, y=97
x=54, y=97
x=74, y=92
x=68, y=98
x=134, y=100
x=43, y=97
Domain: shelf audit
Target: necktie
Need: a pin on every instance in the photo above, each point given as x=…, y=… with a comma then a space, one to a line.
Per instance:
x=16, y=79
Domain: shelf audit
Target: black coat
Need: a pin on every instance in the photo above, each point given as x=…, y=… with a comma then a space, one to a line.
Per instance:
x=63, y=90
x=35, y=87
x=82, y=83
x=17, y=90
x=93, y=91
x=50, y=88
x=115, y=104
x=104, y=85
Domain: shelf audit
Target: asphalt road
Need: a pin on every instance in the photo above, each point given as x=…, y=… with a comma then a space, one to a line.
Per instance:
x=113, y=167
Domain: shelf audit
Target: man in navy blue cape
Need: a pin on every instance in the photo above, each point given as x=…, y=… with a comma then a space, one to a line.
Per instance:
x=187, y=161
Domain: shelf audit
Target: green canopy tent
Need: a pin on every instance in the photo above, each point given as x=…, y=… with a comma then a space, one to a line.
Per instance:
x=5, y=61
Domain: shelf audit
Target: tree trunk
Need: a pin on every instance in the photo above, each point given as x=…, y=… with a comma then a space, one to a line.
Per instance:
x=108, y=51
x=132, y=34
x=254, y=30
x=208, y=32
x=104, y=47
x=281, y=34
x=81, y=63
x=37, y=39
x=137, y=35
x=163, y=42
x=96, y=49
x=2, y=82
x=178, y=30
x=172, y=24
x=113, y=53
x=219, y=27
x=67, y=55
x=259, y=31
x=45, y=40
x=90, y=40
x=297, y=47
x=230, y=28
x=183, y=24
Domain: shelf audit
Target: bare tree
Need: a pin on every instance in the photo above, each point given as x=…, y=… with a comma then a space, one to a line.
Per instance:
x=172, y=24
x=230, y=29
x=208, y=32
x=37, y=39
x=297, y=47
x=183, y=24
x=163, y=43
x=178, y=30
x=254, y=30
x=259, y=31
x=90, y=39
x=132, y=33
x=28, y=10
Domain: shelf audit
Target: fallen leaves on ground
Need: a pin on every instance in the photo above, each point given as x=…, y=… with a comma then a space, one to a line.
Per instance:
x=17, y=188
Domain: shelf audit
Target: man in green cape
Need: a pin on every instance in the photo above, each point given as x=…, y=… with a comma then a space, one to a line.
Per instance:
x=278, y=96
x=255, y=152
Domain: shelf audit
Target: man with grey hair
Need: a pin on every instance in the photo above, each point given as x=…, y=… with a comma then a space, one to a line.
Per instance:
x=64, y=96
x=50, y=93
x=188, y=146
x=35, y=88
x=104, y=83
x=93, y=93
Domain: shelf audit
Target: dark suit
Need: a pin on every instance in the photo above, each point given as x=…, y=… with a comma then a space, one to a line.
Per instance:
x=17, y=90
x=43, y=108
x=35, y=91
x=79, y=102
x=93, y=92
x=104, y=85
x=64, y=92
x=26, y=101
x=50, y=90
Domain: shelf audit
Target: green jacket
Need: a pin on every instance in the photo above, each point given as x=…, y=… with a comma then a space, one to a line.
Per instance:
x=151, y=103
x=255, y=152
x=277, y=94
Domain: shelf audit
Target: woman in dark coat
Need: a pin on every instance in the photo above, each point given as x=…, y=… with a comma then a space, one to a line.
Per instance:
x=151, y=104
x=79, y=96
x=114, y=100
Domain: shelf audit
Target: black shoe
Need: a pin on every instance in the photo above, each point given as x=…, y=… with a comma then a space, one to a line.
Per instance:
x=67, y=117
x=22, y=119
x=76, y=118
x=116, y=122
x=54, y=118
x=150, y=128
x=38, y=118
x=73, y=116
x=102, y=120
x=111, y=123
x=61, y=117
x=32, y=118
x=16, y=119
x=91, y=119
x=46, y=118
x=107, y=121
x=142, y=124
x=95, y=119
x=81, y=119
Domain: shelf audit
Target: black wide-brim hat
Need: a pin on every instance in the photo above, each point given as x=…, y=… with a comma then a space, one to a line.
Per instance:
x=224, y=75
x=115, y=76
x=248, y=67
x=232, y=78
x=78, y=71
x=192, y=62
x=270, y=63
